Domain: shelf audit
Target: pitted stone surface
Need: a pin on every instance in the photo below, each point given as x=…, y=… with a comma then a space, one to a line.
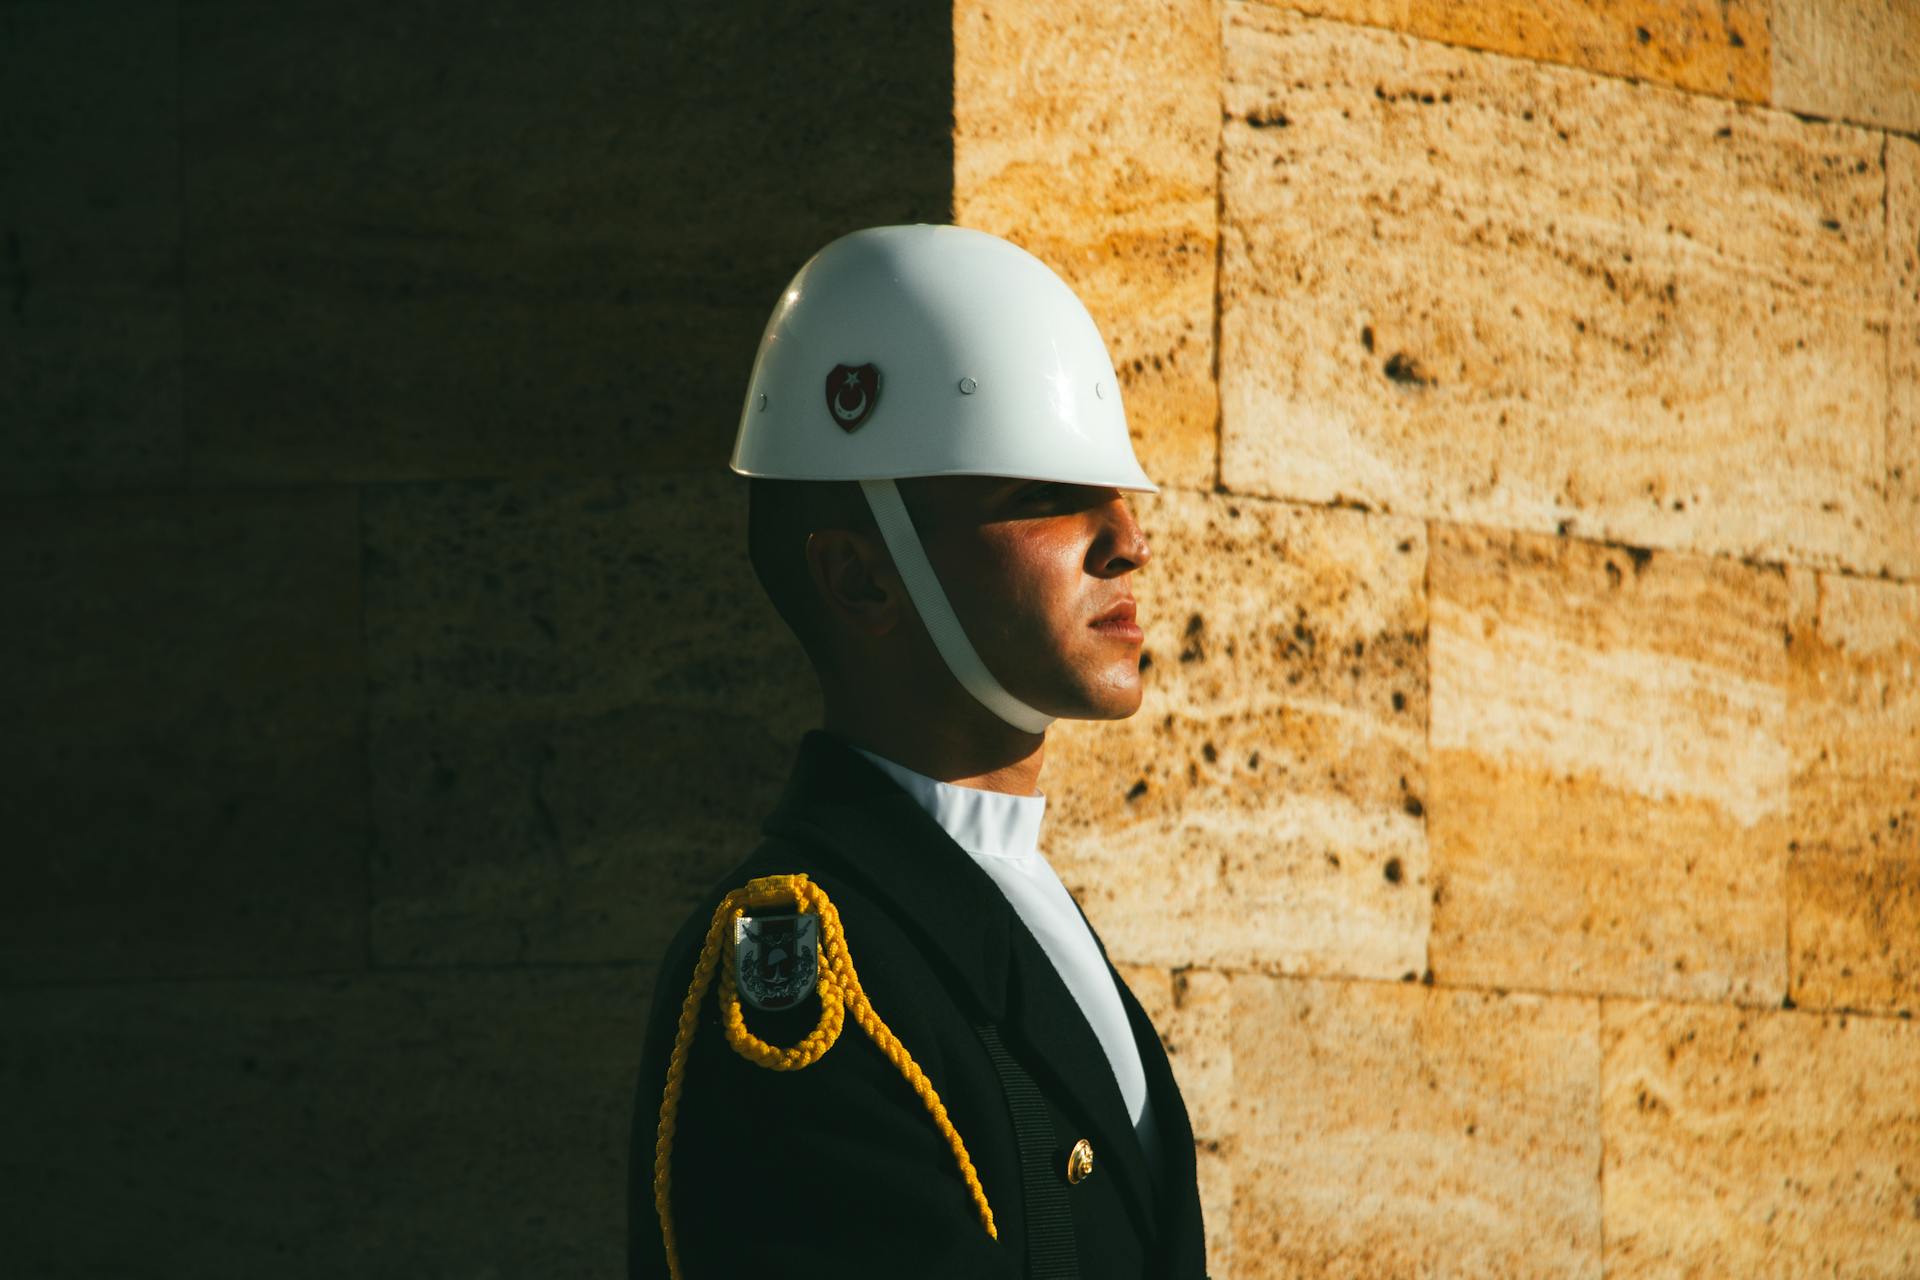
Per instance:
x=1609, y=768
x=421, y=1124
x=1087, y=133
x=90, y=330
x=587, y=681
x=1854, y=863
x=1192, y=1011
x=1395, y=1129
x=1710, y=46
x=1264, y=807
x=1903, y=356
x=1465, y=286
x=1850, y=61
x=184, y=782
x=1741, y=1142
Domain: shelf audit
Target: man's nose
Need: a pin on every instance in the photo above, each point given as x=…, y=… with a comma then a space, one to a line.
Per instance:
x=1122, y=544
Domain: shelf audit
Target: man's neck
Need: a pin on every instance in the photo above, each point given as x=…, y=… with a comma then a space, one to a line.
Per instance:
x=994, y=757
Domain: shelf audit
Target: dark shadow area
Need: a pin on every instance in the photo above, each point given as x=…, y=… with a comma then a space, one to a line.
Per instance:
x=384, y=668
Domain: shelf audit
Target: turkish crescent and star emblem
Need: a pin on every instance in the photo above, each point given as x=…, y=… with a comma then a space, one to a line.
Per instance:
x=776, y=959
x=851, y=392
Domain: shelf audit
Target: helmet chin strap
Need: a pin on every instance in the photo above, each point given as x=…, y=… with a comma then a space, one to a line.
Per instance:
x=923, y=588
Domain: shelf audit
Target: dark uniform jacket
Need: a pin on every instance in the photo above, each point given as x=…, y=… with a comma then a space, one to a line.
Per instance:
x=836, y=1169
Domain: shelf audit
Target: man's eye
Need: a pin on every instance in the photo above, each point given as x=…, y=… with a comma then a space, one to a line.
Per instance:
x=1044, y=490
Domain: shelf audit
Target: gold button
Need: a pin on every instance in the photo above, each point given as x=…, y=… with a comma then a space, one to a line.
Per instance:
x=1080, y=1161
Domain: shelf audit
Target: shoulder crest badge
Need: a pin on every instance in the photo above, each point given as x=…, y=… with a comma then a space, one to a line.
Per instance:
x=776, y=959
x=776, y=965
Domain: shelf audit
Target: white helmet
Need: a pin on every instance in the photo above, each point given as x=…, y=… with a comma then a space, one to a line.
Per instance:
x=932, y=350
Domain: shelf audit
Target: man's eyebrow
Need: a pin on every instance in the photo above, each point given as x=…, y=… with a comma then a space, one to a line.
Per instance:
x=1023, y=488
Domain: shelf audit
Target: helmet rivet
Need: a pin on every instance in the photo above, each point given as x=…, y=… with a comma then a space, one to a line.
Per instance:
x=763, y=400
x=1099, y=391
x=967, y=385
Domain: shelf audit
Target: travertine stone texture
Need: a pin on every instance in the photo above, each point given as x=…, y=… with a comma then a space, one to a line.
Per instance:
x=1264, y=807
x=1088, y=133
x=1466, y=286
x=1710, y=46
x=1853, y=871
x=473, y=239
x=1192, y=1010
x=1609, y=768
x=580, y=708
x=1903, y=356
x=89, y=247
x=1849, y=59
x=1765, y=1144
x=1396, y=1129
x=424, y=1124
x=182, y=777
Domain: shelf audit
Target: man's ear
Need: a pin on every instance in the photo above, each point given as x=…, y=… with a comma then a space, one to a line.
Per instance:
x=856, y=579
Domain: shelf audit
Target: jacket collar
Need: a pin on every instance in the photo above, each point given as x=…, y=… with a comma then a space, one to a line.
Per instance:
x=987, y=824
x=837, y=798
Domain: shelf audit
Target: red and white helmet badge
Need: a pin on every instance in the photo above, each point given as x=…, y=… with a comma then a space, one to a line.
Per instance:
x=851, y=392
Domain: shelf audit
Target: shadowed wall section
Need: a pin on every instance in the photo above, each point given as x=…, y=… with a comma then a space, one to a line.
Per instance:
x=384, y=668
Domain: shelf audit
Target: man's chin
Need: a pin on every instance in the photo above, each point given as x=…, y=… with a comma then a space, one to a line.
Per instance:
x=1114, y=702
x=1105, y=691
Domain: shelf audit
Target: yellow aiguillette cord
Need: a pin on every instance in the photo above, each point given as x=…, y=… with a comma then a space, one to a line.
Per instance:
x=839, y=987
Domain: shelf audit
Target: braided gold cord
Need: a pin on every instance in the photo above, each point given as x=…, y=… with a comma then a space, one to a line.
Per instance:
x=839, y=987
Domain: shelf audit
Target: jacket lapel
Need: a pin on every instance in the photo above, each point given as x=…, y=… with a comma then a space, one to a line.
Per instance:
x=1181, y=1217
x=1062, y=1048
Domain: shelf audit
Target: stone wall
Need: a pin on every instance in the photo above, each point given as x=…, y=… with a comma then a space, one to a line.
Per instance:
x=1520, y=843
x=1520, y=840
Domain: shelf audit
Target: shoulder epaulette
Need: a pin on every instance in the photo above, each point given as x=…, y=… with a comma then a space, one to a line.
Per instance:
x=778, y=950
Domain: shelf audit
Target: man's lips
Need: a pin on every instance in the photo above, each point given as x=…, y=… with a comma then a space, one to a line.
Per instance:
x=1118, y=622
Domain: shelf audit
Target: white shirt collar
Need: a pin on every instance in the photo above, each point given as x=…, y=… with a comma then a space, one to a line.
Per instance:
x=989, y=824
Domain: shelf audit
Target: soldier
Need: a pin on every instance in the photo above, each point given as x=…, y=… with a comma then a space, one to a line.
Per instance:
x=889, y=1042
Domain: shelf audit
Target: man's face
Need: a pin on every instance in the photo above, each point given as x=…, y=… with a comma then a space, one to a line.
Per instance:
x=1040, y=574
